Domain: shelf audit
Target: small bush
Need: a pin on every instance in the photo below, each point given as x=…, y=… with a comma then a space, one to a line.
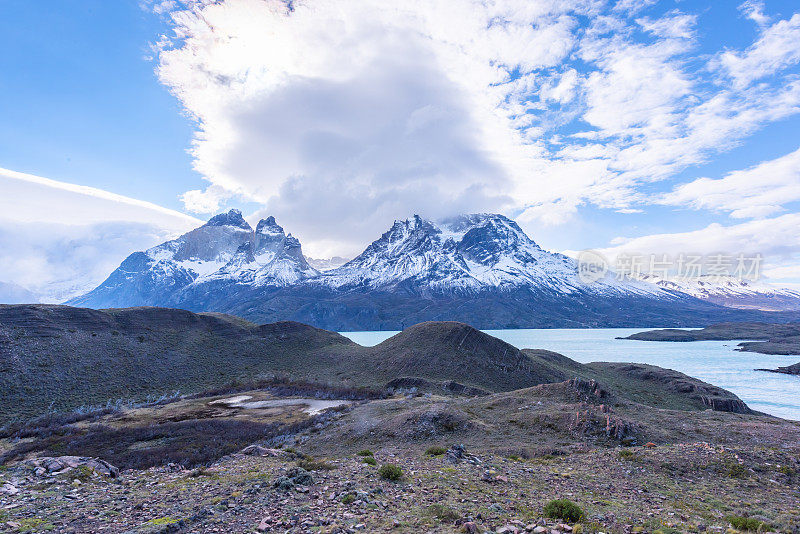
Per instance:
x=390, y=472
x=435, y=451
x=310, y=464
x=563, y=509
x=84, y=473
x=627, y=454
x=365, y=452
x=370, y=460
x=747, y=523
x=736, y=470
x=443, y=513
x=349, y=498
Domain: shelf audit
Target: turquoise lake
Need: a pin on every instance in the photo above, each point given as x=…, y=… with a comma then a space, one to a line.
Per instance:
x=716, y=362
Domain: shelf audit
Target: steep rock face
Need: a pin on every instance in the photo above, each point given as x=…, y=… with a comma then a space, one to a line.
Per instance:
x=224, y=251
x=467, y=254
x=270, y=257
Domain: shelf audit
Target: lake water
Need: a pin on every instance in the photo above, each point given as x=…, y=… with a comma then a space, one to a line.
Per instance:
x=715, y=362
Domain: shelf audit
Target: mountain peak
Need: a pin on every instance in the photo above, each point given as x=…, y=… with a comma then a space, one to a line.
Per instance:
x=231, y=218
x=269, y=226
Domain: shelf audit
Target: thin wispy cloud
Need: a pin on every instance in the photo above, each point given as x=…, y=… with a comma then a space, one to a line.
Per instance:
x=59, y=239
x=756, y=192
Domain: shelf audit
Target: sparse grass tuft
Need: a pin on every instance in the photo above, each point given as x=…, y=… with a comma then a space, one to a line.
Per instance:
x=390, y=472
x=747, y=523
x=563, y=509
x=162, y=521
x=627, y=454
x=435, y=451
x=349, y=498
x=443, y=513
x=365, y=452
x=310, y=464
x=736, y=470
x=370, y=460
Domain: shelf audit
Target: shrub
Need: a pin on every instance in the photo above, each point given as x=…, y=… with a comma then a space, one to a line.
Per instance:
x=747, y=523
x=365, y=452
x=563, y=509
x=443, y=513
x=390, y=472
x=349, y=498
x=191, y=443
x=435, y=451
x=736, y=470
x=310, y=464
x=627, y=454
x=370, y=460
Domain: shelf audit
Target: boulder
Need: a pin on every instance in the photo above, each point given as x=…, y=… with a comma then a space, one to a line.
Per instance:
x=50, y=465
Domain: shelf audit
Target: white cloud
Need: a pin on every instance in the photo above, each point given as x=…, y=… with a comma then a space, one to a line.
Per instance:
x=339, y=117
x=776, y=239
x=677, y=25
x=775, y=50
x=30, y=198
x=754, y=10
x=758, y=191
x=59, y=239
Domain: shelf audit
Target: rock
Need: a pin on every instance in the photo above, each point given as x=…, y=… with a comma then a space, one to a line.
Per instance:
x=258, y=450
x=455, y=454
x=489, y=475
x=10, y=489
x=540, y=530
x=507, y=529
x=470, y=528
x=47, y=465
x=284, y=483
x=265, y=524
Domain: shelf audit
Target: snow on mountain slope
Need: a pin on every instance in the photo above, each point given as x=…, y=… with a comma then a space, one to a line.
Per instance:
x=469, y=253
x=326, y=264
x=271, y=257
x=732, y=292
x=224, y=249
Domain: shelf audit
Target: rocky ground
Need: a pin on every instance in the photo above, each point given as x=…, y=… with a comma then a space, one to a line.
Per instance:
x=692, y=487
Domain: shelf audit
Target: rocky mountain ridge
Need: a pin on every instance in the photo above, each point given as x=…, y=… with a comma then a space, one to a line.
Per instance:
x=418, y=270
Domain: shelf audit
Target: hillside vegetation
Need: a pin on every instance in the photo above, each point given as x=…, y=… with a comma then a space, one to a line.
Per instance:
x=61, y=358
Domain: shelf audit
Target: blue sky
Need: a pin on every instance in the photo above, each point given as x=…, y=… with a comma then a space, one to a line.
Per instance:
x=81, y=103
x=583, y=123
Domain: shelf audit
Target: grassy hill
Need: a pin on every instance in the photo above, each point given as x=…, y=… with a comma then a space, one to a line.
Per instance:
x=61, y=358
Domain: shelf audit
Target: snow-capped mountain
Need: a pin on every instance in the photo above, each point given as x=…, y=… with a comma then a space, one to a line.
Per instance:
x=469, y=253
x=326, y=264
x=481, y=269
x=268, y=257
x=732, y=292
x=225, y=249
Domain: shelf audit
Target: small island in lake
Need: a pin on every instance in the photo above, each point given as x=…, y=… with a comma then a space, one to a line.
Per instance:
x=765, y=338
x=788, y=370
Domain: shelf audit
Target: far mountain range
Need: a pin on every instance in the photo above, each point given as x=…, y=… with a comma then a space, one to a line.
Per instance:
x=481, y=269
